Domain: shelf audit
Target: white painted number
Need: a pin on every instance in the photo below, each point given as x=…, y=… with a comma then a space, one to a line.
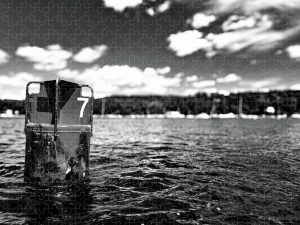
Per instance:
x=85, y=101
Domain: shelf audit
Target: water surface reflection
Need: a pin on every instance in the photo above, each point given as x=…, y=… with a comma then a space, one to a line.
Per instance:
x=165, y=171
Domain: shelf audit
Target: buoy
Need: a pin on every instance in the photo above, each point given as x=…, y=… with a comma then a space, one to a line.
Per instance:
x=58, y=128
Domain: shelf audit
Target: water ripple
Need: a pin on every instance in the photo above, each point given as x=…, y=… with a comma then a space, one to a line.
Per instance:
x=162, y=171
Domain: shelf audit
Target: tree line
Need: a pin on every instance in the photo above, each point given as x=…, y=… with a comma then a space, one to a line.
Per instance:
x=284, y=102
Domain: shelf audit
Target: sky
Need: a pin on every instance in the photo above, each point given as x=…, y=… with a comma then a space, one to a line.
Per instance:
x=157, y=47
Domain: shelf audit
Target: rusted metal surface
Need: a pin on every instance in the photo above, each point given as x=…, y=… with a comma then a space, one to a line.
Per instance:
x=58, y=127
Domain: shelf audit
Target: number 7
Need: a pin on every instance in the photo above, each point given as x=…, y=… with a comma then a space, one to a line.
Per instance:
x=85, y=101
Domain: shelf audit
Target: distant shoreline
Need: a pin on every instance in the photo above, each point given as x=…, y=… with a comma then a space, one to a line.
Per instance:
x=273, y=103
x=153, y=116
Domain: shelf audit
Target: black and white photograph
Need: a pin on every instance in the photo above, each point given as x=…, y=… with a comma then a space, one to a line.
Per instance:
x=150, y=112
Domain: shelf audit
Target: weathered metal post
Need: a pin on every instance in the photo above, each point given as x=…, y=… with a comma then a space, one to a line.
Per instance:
x=58, y=127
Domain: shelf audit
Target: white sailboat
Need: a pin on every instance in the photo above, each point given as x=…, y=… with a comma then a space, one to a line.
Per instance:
x=240, y=111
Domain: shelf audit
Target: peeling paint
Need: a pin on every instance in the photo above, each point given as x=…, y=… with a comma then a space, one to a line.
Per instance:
x=56, y=152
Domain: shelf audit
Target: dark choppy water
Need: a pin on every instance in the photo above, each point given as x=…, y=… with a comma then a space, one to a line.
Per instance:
x=164, y=171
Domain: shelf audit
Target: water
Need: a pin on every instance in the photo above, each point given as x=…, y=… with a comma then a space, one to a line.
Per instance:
x=165, y=171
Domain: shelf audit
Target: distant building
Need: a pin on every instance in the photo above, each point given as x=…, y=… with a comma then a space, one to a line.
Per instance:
x=7, y=113
x=270, y=110
x=202, y=116
x=174, y=114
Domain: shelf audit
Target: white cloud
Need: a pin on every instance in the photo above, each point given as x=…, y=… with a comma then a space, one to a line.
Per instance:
x=200, y=20
x=204, y=84
x=261, y=84
x=13, y=86
x=255, y=85
x=53, y=57
x=50, y=66
x=90, y=54
x=294, y=52
x=264, y=90
x=121, y=5
x=258, y=39
x=4, y=57
x=224, y=92
x=123, y=79
x=255, y=29
x=163, y=70
x=230, y=78
x=191, y=78
x=295, y=87
x=68, y=74
x=179, y=75
x=191, y=91
x=150, y=11
x=161, y=8
x=188, y=42
x=210, y=90
x=164, y=7
x=253, y=6
x=235, y=22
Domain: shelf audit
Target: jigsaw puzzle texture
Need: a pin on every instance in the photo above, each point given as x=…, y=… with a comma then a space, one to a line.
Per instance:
x=196, y=112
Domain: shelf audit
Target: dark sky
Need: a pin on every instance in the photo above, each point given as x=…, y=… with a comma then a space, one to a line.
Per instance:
x=128, y=51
